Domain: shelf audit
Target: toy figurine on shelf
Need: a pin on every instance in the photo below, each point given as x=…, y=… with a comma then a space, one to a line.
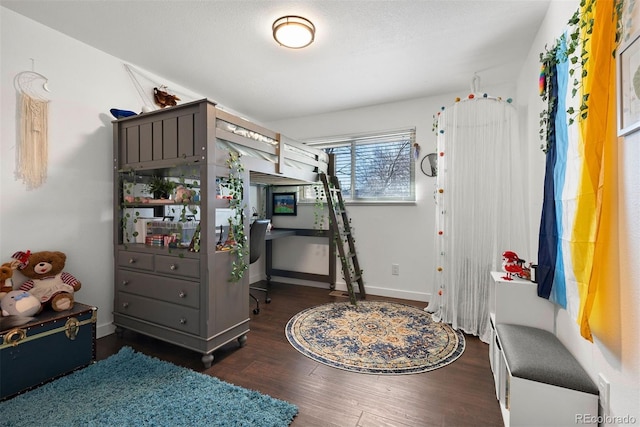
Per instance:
x=230, y=241
x=525, y=273
x=194, y=246
x=513, y=265
x=164, y=98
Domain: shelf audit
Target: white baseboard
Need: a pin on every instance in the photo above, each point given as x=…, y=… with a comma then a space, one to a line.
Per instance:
x=104, y=330
x=371, y=290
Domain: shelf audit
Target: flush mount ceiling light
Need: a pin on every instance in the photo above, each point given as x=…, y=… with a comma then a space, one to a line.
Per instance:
x=294, y=32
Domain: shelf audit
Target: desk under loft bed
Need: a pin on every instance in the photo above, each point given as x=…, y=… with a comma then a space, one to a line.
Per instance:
x=273, y=160
x=180, y=292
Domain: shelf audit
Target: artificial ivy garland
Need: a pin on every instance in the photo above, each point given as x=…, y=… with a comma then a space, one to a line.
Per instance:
x=581, y=29
x=235, y=183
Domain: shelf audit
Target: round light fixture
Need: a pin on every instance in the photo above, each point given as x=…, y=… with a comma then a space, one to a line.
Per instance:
x=294, y=32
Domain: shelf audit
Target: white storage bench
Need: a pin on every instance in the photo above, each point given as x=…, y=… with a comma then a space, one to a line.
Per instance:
x=541, y=383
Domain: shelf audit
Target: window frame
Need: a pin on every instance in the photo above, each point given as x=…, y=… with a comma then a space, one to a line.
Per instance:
x=353, y=140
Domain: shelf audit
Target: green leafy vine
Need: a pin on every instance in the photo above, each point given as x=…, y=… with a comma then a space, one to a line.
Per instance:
x=547, y=75
x=581, y=29
x=578, y=56
x=576, y=40
x=235, y=184
x=319, y=208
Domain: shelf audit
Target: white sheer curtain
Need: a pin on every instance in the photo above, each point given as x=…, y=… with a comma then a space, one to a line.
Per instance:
x=480, y=208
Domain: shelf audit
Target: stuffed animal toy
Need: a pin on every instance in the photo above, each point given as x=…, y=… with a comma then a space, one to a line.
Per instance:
x=183, y=194
x=20, y=303
x=6, y=283
x=7, y=269
x=47, y=281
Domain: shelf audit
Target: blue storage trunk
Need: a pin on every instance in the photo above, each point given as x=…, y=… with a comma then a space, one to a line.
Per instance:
x=49, y=346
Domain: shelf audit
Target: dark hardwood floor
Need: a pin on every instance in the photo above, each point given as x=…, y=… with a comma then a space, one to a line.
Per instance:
x=460, y=394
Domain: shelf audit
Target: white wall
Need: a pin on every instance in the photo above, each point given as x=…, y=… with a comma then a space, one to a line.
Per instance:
x=614, y=354
x=73, y=211
x=385, y=234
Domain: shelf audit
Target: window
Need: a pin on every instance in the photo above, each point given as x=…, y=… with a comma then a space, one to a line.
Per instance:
x=373, y=167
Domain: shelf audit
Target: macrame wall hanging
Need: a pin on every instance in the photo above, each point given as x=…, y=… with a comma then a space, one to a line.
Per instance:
x=32, y=151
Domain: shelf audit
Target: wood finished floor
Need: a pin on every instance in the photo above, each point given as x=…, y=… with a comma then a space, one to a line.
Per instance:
x=460, y=394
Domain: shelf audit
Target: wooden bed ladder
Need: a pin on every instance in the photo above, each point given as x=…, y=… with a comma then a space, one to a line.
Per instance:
x=341, y=229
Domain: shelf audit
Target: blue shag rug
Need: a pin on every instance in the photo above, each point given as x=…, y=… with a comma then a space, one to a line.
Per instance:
x=132, y=389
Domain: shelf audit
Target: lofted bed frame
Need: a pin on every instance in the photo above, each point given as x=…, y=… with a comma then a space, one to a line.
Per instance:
x=271, y=158
x=201, y=132
x=182, y=294
x=187, y=132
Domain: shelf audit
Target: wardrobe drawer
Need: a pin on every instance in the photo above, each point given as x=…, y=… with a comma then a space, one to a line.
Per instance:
x=185, y=267
x=135, y=260
x=167, y=289
x=173, y=316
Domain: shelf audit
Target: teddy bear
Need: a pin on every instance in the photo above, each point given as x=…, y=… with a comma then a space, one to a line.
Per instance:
x=47, y=280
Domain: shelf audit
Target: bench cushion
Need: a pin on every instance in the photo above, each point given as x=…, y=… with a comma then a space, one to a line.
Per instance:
x=538, y=355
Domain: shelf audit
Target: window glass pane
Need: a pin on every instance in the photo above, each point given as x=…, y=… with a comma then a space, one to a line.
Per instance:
x=343, y=167
x=373, y=167
x=383, y=170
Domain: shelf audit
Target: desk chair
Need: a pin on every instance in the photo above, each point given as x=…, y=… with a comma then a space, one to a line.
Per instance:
x=257, y=235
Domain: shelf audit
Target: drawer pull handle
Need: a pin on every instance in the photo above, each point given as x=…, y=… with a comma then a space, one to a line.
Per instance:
x=125, y=305
x=173, y=267
x=183, y=321
x=132, y=261
x=182, y=294
x=125, y=282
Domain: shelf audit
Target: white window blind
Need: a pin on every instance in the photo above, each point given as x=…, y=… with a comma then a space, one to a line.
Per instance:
x=373, y=167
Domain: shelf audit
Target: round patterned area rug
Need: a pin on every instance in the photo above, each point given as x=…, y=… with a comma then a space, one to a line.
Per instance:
x=374, y=337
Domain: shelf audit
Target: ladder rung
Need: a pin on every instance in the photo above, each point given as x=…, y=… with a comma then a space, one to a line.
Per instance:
x=355, y=278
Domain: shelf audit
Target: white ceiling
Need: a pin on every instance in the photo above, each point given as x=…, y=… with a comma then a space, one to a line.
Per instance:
x=365, y=52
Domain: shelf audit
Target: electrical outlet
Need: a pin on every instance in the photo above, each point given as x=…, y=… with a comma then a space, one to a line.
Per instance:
x=603, y=388
x=395, y=269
